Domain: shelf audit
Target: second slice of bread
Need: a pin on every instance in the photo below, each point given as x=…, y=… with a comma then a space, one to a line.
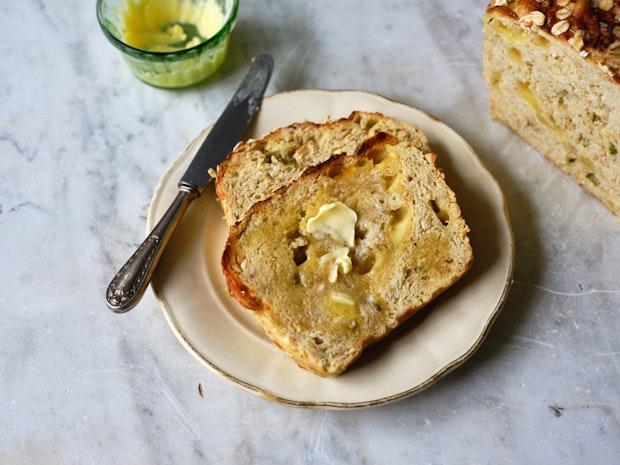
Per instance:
x=257, y=168
x=323, y=298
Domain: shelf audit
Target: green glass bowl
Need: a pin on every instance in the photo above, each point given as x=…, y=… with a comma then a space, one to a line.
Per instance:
x=169, y=69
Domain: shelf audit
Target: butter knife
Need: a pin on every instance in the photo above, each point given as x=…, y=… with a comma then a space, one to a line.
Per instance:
x=128, y=285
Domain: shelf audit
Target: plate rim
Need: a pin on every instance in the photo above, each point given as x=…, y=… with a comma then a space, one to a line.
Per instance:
x=339, y=405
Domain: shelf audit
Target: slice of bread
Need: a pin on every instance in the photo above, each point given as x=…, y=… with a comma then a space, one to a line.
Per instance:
x=340, y=257
x=552, y=70
x=257, y=168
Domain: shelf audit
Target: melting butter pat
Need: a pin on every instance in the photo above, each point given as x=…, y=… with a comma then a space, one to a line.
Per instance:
x=336, y=260
x=334, y=220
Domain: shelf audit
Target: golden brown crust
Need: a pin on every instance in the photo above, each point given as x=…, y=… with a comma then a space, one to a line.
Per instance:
x=379, y=138
x=237, y=288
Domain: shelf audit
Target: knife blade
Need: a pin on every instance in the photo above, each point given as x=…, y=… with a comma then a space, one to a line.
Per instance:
x=128, y=285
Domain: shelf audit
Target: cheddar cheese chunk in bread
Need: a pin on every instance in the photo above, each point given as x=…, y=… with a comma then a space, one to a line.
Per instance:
x=340, y=257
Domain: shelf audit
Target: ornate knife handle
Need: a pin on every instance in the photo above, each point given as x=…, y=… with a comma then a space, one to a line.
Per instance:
x=128, y=286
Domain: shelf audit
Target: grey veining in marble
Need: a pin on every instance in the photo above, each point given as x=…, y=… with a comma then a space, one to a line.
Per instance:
x=82, y=147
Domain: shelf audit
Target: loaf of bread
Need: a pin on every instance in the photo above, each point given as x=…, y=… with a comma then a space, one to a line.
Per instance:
x=257, y=168
x=337, y=259
x=552, y=70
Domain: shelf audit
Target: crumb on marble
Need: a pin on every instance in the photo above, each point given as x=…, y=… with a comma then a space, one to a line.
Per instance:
x=557, y=411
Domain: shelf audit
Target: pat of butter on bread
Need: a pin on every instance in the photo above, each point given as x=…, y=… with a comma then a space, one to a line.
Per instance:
x=338, y=258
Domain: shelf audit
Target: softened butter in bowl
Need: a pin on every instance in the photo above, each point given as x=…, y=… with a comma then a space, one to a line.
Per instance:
x=170, y=43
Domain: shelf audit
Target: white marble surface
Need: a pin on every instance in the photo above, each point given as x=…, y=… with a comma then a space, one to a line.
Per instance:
x=83, y=145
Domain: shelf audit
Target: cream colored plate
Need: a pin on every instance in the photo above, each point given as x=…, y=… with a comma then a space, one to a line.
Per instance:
x=221, y=334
